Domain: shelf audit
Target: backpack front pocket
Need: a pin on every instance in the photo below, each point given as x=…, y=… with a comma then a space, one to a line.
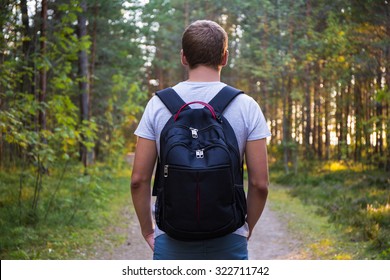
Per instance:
x=205, y=197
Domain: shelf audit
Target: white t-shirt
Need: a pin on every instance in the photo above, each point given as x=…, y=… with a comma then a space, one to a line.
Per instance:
x=243, y=114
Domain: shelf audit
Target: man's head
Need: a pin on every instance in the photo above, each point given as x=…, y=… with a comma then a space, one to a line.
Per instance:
x=205, y=43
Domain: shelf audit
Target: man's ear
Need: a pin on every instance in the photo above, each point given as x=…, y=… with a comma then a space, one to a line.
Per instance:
x=183, y=58
x=225, y=58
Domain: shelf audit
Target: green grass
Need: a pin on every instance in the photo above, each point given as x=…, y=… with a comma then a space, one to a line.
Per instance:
x=320, y=238
x=350, y=202
x=72, y=216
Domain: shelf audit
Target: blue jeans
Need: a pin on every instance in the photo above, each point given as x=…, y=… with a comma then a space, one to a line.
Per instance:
x=229, y=247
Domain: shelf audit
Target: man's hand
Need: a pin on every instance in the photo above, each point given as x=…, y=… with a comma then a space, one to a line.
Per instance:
x=150, y=240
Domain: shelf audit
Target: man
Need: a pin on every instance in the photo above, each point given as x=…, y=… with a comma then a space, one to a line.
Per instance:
x=204, y=53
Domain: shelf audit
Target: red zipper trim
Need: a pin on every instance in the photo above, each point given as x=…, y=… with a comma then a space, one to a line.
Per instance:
x=197, y=199
x=208, y=106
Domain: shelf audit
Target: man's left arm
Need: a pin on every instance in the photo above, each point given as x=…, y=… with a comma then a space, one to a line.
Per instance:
x=144, y=161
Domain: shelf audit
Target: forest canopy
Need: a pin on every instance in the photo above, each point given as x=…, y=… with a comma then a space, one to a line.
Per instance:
x=75, y=75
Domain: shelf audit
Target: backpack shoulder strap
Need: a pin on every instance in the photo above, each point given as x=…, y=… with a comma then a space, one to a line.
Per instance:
x=224, y=97
x=171, y=99
x=173, y=102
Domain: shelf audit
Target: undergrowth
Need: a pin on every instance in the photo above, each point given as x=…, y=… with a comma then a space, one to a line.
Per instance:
x=318, y=238
x=354, y=198
x=70, y=215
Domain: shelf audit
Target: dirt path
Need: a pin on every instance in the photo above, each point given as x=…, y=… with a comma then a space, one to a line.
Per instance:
x=270, y=240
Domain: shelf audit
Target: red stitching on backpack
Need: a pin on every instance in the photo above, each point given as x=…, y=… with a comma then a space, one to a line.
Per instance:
x=197, y=198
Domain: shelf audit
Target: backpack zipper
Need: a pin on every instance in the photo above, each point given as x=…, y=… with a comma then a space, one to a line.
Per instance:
x=194, y=132
x=166, y=170
x=167, y=167
x=199, y=153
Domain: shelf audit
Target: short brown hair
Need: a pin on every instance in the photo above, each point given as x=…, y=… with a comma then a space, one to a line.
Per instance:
x=204, y=42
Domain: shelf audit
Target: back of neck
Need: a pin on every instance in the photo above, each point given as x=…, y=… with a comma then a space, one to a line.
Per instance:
x=204, y=74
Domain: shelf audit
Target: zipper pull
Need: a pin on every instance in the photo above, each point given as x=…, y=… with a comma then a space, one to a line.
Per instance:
x=166, y=170
x=194, y=132
x=199, y=154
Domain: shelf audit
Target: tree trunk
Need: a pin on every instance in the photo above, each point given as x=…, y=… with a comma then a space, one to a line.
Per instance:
x=387, y=83
x=43, y=72
x=317, y=136
x=26, y=46
x=338, y=120
x=83, y=78
x=308, y=121
x=2, y=43
x=348, y=120
x=286, y=122
x=326, y=125
x=186, y=23
x=93, y=57
x=358, y=121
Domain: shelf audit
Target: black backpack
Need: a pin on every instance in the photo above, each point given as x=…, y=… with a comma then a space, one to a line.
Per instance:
x=199, y=175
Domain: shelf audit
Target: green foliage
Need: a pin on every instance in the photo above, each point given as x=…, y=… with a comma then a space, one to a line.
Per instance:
x=383, y=95
x=124, y=107
x=354, y=199
x=72, y=216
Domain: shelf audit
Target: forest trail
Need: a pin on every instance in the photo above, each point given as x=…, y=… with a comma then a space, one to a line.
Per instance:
x=270, y=240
